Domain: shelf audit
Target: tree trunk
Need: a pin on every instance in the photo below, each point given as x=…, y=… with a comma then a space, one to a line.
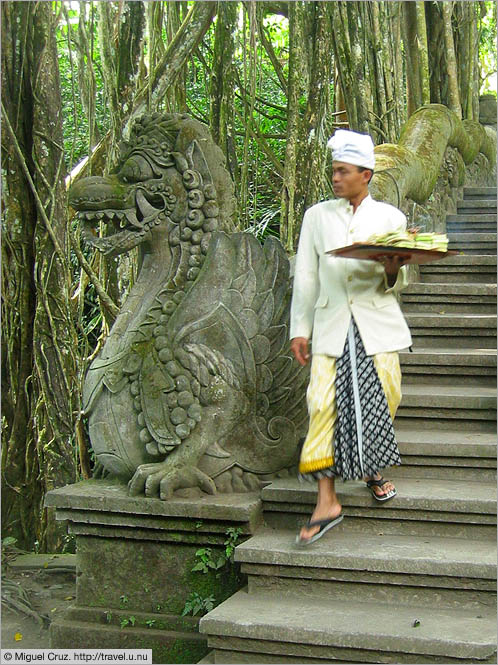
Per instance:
x=120, y=41
x=410, y=39
x=190, y=33
x=342, y=53
x=340, y=105
x=423, y=55
x=475, y=83
x=295, y=89
x=316, y=125
x=86, y=73
x=378, y=78
x=187, y=38
x=39, y=339
x=437, y=56
x=222, y=81
x=467, y=56
x=453, y=93
x=392, y=37
x=358, y=66
x=176, y=100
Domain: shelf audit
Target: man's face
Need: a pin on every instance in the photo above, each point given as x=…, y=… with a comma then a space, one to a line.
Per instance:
x=348, y=181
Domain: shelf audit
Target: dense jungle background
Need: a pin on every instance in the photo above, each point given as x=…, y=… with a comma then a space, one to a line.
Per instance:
x=271, y=79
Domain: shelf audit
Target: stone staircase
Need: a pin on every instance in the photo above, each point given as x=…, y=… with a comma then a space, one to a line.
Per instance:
x=412, y=581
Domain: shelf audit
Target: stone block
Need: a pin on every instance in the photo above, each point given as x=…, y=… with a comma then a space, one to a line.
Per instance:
x=135, y=558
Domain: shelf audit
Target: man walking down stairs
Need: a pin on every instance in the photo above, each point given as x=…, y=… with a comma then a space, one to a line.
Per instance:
x=413, y=581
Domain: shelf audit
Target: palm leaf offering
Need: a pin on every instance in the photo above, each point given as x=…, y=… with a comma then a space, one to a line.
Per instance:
x=411, y=238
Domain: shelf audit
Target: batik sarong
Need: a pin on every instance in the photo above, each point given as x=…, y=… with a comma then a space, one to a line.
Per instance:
x=352, y=401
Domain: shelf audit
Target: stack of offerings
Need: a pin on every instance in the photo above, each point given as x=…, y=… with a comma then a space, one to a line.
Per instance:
x=411, y=238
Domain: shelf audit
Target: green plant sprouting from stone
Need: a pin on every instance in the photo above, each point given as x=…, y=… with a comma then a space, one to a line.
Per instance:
x=196, y=603
x=230, y=543
x=127, y=621
x=208, y=560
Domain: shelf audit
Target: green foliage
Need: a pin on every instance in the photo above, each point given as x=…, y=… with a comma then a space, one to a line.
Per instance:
x=487, y=46
x=9, y=549
x=75, y=120
x=230, y=543
x=8, y=543
x=196, y=604
x=69, y=544
x=207, y=561
x=127, y=621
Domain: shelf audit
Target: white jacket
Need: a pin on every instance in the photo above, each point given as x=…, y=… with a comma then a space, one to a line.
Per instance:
x=328, y=290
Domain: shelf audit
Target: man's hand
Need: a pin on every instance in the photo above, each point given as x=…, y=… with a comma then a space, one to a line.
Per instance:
x=300, y=349
x=392, y=263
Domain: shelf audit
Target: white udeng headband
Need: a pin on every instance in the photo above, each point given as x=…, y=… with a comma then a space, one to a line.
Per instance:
x=352, y=148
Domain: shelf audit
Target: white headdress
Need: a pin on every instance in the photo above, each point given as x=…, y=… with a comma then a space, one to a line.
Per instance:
x=352, y=148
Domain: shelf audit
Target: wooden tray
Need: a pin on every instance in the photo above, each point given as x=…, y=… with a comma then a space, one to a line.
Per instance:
x=360, y=250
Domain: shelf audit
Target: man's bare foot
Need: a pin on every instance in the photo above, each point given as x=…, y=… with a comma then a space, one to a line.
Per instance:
x=386, y=488
x=320, y=513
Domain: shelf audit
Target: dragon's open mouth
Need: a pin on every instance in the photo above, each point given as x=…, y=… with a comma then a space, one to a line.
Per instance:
x=131, y=224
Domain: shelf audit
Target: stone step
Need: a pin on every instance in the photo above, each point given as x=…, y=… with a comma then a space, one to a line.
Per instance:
x=423, y=506
x=460, y=273
x=448, y=366
x=479, y=243
x=250, y=627
x=449, y=298
x=431, y=329
x=451, y=455
x=475, y=204
x=479, y=192
x=462, y=261
x=471, y=227
x=437, y=468
x=102, y=635
x=472, y=217
x=442, y=396
x=343, y=565
x=455, y=443
x=472, y=407
x=52, y=562
x=451, y=290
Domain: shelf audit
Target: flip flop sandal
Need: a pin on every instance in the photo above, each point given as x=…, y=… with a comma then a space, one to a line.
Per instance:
x=324, y=525
x=380, y=483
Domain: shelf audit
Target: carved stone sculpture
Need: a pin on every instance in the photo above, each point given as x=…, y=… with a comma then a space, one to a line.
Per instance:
x=195, y=385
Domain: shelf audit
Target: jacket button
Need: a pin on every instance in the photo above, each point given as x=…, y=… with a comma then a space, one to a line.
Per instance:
x=351, y=301
x=350, y=278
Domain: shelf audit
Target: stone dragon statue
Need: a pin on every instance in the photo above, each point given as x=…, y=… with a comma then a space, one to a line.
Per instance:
x=195, y=386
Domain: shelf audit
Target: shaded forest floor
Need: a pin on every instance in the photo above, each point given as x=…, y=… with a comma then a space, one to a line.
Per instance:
x=33, y=597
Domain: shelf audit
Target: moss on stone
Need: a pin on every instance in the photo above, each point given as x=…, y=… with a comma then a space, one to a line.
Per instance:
x=418, y=157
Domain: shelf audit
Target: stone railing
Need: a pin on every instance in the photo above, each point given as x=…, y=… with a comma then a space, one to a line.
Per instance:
x=437, y=155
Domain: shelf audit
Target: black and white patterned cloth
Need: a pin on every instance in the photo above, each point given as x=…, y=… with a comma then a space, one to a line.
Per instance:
x=364, y=439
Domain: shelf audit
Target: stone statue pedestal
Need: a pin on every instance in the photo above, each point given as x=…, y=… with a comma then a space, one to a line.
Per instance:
x=134, y=566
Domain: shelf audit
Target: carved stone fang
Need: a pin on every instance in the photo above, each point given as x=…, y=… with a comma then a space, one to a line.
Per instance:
x=148, y=211
x=132, y=218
